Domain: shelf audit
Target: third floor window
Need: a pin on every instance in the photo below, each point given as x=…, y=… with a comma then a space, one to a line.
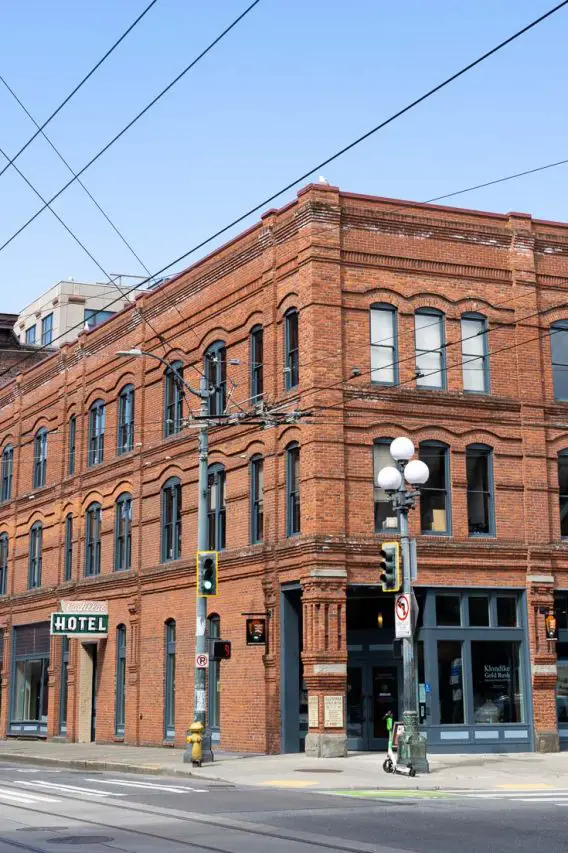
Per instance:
x=126, y=420
x=216, y=507
x=563, y=487
x=96, y=433
x=93, y=518
x=173, y=399
x=40, y=458
x=256, y=499
x=7, y=471
x=215, y=369
x=256, y=364
x=559, y=352
x=291, y=349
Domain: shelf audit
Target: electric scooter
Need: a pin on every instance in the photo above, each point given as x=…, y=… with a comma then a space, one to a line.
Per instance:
x=391, y=763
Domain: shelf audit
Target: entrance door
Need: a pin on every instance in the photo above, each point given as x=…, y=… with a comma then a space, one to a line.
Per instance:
x=93, y=653
x=372, y=691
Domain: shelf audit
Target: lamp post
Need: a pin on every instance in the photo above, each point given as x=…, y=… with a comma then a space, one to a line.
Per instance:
x=199, y=693
x=413, y=473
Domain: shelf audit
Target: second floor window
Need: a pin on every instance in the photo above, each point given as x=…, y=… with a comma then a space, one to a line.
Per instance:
x=291, y=349
x=563, y=487
x=256, y=364
x=7, y=470
x=256, y=499
x=478, y=460
x=385, y=516
x=216, y=507
x=123, y=534
x=96, y=433
x=434, y=496
x=72, y=445
x=126, y=420
x=384, y=356
x=3, y=563
x=34, y=565
x=474, y=353
x=171, y=520
x=173, y=399
x=68, y=567
x=559, y=352
x=40, y=458
x=293, y=517
x=215, y=369
x=47, y=330
x=93, y=519
x=430, y=349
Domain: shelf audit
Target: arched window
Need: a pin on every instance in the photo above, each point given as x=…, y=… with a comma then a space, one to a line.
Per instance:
x=34, y=565
x=71, y=445
x=68, y=567
x=93, y=518
x=256, y=499
x=173, y=398
x=216, y=507
x=256, y=363
x=435, y=495
x=120, y=703
x=384, y=344
x=385, y=517
x=215, y=369
x=563, y=491
x=430, y=348
x=214, y=679
x=291, y=349
x=480, y=500
x=7, y=471
x=3, y=563
x=171, y=520
x=126, y=420
x=96, y=450
x=40, y=458
x=475, y=357
x=293, y=489
x=123, y=533
x=170, y=681
x=559, y=352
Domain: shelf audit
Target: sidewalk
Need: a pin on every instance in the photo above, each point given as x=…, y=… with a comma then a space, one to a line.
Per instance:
x=358, y=770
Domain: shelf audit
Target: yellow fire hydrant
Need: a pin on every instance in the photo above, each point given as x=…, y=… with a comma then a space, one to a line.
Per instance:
x=194, y=739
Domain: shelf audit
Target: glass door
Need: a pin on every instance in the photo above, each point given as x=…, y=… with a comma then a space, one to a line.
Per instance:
x=357, y=735
x=384, y=698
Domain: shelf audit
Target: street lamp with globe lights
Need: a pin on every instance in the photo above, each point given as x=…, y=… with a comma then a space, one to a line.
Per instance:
x=395, y=481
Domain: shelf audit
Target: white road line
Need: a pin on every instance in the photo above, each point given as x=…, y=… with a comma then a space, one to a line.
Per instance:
x=69, y=788
x=149, y=786
x=524, y=796
x=23, y=797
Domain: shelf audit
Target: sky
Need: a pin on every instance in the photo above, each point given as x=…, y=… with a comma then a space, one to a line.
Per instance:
x=291, y=84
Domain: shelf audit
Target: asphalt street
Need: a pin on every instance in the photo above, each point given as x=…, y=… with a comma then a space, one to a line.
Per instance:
x=43, y=810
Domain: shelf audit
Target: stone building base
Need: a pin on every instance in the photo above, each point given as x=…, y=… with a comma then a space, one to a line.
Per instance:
x=547, y=742
x=326, y=746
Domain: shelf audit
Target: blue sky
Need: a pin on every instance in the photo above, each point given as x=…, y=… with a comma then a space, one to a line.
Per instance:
x=291, y=84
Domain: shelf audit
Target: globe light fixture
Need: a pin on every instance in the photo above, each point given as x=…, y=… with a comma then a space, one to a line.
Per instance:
x=389, y=479
x=402, y=449
x=416, y=472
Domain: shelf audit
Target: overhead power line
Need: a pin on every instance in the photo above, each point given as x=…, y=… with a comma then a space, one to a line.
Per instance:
x=80, y=85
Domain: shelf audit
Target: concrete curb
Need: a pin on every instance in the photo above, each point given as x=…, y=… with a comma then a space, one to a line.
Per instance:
x=114, y=766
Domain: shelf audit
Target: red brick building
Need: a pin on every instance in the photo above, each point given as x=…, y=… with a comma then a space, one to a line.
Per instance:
x=381, y=318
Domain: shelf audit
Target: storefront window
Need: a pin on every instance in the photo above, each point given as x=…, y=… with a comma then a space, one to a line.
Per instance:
x=478, y=608
x=562, y=683
x=497, y=695
x=506, y=611
x=31, y=691
x=29, y=702
x=450, y=682
x=448, y=610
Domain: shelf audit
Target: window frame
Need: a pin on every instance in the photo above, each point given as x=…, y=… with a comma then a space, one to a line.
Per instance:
x=384, y=308
x=4, y=562
x=68, y=547
x=93, y=527
x=487, y=450
x=215, y=369
x=562, y=454
x=171, y=488
x=555, y=328
x=72, y=445
x=217, y=517
x=256, y=474
x=97, y=424
x=173, y=398
x=423, y=386
x=293, y=495
x=481, y=318
x=213, y=674
x=35, y=555
x=125, y=420
x=47, y=330
x=30, y=339
x=448, y=488
x=40, y=459
x=170, y=679
x=291, y=354
x=256, y=378
x=120, y=682
x=383, y=531
x=123, y=540
x=7, y=473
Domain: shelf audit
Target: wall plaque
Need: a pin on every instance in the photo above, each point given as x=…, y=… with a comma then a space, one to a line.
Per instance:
x=313, y=712
x=333, y=712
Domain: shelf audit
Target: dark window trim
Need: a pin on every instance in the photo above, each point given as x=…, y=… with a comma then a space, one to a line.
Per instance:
x=170, y=680
x=558, y=326
x=475, y=315
x=447, y=473
x=7, y=472
x=214, y=673
x=125, y=436
x=291, y=354
x=123, y=550
x=93, y=524
x=63, y=686
x=433, y=312
x=383, y=531
x=385, y=307
x=4, y=560
x=173, y=399
x=256, y=378
x=97, y=425
x=40, y=458
x=216, y=518
x=215, y=369
x=47, y=331
x=120, y=682
x=293, y=496
x=72, y=445
x=35, y=555
x=171, y=488
x=488, y=450
x=256, y=502
x=564, y=455
x=68, y=560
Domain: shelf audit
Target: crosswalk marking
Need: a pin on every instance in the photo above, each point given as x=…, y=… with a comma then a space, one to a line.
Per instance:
x=149, y=786
x=69, y=789
x=24, y=797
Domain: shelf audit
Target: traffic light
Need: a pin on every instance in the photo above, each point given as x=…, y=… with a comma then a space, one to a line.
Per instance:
x=390, y=567
x=220, y=649
x=206, y=573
